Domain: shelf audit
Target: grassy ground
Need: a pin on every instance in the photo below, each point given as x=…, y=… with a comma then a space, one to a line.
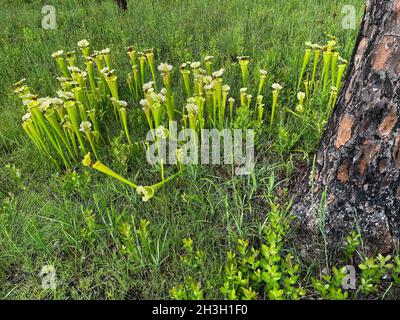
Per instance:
x=43, y=211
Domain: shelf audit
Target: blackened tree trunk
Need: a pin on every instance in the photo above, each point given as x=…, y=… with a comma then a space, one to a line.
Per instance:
x=122, y=4
x=358, y=160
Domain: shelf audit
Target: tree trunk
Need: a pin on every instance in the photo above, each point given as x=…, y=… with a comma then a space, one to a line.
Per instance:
x=358, y=160
x=122, y=4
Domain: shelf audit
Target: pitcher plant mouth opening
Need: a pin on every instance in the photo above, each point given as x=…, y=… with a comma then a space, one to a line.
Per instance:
x=146, y=192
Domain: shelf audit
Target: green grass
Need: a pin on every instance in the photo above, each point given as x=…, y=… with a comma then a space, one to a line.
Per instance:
x=42, y=214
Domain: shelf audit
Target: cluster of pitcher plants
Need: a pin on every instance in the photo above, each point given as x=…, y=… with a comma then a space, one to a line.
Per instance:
x=81, y=119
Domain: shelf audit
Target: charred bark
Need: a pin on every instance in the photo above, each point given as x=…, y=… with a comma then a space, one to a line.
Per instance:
x=358, y=159
x=122, y=4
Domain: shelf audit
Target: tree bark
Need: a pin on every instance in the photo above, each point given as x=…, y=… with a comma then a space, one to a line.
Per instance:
x=122, y=4
x=358, y=160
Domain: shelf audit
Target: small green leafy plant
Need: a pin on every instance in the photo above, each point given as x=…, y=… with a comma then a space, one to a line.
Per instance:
x=329, y=286
x=372, y=271
x=353, y=241
x=250, y=273
x=193, y=262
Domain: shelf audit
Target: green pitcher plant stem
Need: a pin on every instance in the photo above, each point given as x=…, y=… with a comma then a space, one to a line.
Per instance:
x=306, y=59
x=275, y=94
x=70, y=106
